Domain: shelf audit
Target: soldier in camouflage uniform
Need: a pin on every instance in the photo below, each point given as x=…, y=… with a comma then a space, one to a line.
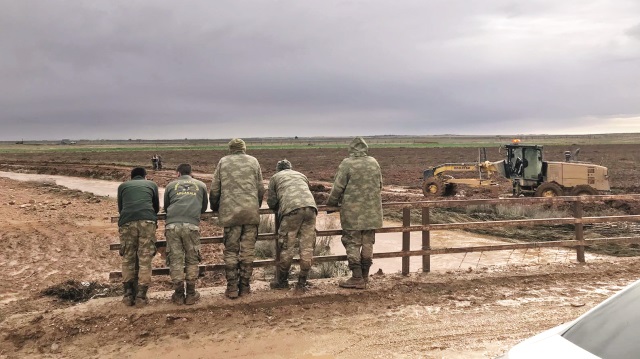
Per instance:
x=138, y=205
x=296, y=210
x=184, y=200
x=357, y=189
x=236, y=192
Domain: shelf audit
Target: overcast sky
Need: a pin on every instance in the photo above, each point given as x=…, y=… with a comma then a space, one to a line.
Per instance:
x=219, y=69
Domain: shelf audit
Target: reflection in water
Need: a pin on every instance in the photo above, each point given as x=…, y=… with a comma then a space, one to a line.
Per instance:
x=392, y=242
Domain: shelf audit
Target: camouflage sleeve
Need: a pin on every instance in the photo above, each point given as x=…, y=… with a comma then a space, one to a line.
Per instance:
x=205, y=198
x=339, y=185
x=272, y=195
x=214, y=194
x=261, y=189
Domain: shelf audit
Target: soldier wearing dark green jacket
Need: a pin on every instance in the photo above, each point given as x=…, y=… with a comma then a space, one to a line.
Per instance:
x=236, y=193
x=138, y=205
x=184, y=200
x=290, y=197
x=357, y=190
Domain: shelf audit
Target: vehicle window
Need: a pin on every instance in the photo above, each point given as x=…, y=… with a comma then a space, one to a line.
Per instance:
x=611, y=331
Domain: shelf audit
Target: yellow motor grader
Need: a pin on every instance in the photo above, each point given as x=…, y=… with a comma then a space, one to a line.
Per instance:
x=529, y=174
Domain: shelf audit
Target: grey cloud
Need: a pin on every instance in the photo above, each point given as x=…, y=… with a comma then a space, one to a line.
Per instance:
x=249, y=68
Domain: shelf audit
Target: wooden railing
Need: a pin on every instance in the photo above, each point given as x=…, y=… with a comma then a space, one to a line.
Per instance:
x=577, y=220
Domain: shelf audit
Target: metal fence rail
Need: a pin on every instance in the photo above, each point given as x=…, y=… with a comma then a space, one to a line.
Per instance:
x=578, y=221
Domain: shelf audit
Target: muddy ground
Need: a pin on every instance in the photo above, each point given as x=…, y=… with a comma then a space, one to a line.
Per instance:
x=52, y=235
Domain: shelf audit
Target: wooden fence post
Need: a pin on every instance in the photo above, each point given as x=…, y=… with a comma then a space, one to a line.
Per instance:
x=579, y=228
x=406, y=239
x=426, y=241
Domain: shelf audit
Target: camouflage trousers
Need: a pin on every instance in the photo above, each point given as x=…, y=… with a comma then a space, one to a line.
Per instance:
x=137, y=244
x=183, y=251
x=239, y=250
x=300, y=224
x=359, y=247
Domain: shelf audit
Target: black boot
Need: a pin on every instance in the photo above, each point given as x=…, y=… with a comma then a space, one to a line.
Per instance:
x=282, y=282
x=178, y=295
x=141, y=297
x=192, y=295
x=246, y=269
x=301, y=286
x=232, y=290
x=245, y=287
x=232, y=283
x=356, y=280
x=129, y=298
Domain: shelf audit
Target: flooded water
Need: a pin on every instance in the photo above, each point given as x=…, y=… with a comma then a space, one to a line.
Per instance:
x=385, y=242
x=392, y=242
x=95, y=186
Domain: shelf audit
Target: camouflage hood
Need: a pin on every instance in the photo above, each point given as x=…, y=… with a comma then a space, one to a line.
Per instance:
x=237, y=145
x=358, y=148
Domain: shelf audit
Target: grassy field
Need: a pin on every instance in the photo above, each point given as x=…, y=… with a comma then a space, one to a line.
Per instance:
x=314, y=143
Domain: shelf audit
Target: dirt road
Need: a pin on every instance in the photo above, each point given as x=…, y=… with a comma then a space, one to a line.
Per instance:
x=52, y=234
x=445, y=315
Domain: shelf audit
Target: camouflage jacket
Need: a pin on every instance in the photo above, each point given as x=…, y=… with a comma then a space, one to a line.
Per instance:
x=288, y=191
x=237, y=190
x=357, y=189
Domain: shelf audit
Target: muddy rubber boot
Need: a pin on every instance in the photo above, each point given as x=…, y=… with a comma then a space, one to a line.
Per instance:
x=141, y=297
x=282, y=282
x=355, y=281
x=129, y=298
x=178, y=296
x=365, y=271
x=366, y=263
x=301, y=286
x=192, y=295
x=232, y=290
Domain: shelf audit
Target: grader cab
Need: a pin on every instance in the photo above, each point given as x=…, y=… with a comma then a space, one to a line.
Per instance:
x=529, y=173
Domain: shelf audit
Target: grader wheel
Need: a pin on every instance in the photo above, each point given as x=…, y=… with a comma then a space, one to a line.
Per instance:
x=433, y=187
x=450, y=189
x=583, y=190
x=549, y=189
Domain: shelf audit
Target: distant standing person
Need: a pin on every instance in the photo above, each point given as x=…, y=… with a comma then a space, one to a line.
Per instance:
x=184, y=200
x=357, y=190
x=138, y=205
x=290, y=196
x=159, y=162
x=154, y=162
x=236, y=193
